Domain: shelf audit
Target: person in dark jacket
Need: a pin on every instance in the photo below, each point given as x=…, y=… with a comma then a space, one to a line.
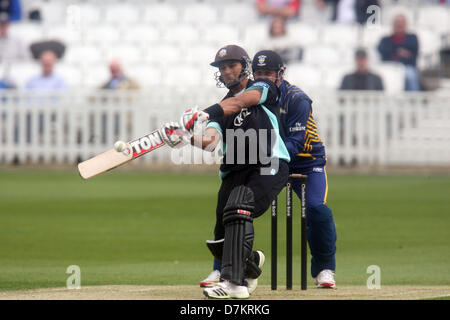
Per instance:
x=362, y=78
x=402, y=47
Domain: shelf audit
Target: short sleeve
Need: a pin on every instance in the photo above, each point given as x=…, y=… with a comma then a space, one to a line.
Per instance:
x=269, y=91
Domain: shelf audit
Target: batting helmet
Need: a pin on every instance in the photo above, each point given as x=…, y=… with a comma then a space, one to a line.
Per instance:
x=232, y=53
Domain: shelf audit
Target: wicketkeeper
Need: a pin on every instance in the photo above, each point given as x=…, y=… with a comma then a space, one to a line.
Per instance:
x=308, y=157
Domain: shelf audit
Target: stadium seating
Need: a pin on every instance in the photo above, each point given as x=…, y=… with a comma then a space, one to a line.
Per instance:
x=121, y=14
x=140, y=35
x=200, y=13
x=124, y=52
x=146, y=75
x=220, y=34
x=303, y=34
x=66, y=34
x=22, y=72
x=393, y=75
x=72, y=75
x=27, y=32
x=95, y=75
x=160, y=14
x=321, y=54
x=83, y=54
x=102, y=34
x=436, y=18
x=304, y=75
x=188, y=33
x=181, y=34
x=341, y=35
x=239, y=13
x=88, y=14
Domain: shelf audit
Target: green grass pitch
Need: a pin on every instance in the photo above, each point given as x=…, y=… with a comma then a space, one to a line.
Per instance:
x=150, y=228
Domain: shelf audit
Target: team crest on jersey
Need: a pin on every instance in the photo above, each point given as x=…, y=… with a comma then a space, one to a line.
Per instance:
x=262, y=60
x=223, y=53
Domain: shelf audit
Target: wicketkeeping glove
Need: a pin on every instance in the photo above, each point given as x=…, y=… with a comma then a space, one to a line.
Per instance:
x=191, y=118
x=174, y=136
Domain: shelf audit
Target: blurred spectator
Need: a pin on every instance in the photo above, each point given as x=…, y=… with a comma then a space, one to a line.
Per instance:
x=48, y=79
x=362, y=78
x=361, y=10
x=5, y=83
x=341, y=10
x=118, y=79
x=348, y=11
x=284, y=8
x=281, y=43
x=402, y=47
x=32, y=9
x=37, y=48
x=11, y=9
x=11, y=49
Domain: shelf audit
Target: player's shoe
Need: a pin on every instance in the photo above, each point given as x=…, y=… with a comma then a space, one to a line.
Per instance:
x=325, y=279
x=212, y=280
x=226, y=290
x=259, y=260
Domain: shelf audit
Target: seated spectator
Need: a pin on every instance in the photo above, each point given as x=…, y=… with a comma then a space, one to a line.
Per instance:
x=12, y=9
x=362, y=78
x=402, y=47
x=5, y=83
x=347, y=11
x=11, y=49
x=281, y=43
x=118, y=79
x=343, y=11
x=361, y=7
x=286, y=9
x=48, y=79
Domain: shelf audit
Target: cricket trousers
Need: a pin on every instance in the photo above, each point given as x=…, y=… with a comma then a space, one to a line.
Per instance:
x=321, y=230
x=264, y=187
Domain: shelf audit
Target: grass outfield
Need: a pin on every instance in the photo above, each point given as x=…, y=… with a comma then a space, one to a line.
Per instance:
x=149, y=228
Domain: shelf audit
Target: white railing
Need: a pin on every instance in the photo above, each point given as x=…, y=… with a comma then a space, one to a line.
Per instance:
x=363, y=128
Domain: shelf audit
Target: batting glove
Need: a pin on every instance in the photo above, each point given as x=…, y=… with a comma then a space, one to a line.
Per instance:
x=193, y=117
x=174, y=136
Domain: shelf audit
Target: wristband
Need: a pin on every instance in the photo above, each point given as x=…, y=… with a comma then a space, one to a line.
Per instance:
x=215, y=111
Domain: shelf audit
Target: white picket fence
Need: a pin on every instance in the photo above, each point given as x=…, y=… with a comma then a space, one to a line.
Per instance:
x=363, y=128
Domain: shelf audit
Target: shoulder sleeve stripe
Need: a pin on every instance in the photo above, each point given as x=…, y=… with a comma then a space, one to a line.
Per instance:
x=215, y=125
x=264, y=87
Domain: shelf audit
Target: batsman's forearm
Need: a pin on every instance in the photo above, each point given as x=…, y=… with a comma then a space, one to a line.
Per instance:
x=207, y=143
x=234, y=104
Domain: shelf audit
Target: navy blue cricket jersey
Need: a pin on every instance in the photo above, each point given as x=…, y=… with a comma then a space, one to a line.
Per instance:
x=301, y=136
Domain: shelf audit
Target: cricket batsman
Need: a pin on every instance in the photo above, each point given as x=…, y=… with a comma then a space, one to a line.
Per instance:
x=254, y=170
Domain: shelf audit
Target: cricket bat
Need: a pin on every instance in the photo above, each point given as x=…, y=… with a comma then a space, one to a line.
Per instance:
x=112, y=159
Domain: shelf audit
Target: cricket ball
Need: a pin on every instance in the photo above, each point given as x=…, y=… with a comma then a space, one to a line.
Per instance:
x=120, y=146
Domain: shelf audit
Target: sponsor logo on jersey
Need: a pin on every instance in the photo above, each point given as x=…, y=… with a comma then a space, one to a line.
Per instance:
x=239, y=119
x=298, y=127
x=318, y=169
x=146, y=143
